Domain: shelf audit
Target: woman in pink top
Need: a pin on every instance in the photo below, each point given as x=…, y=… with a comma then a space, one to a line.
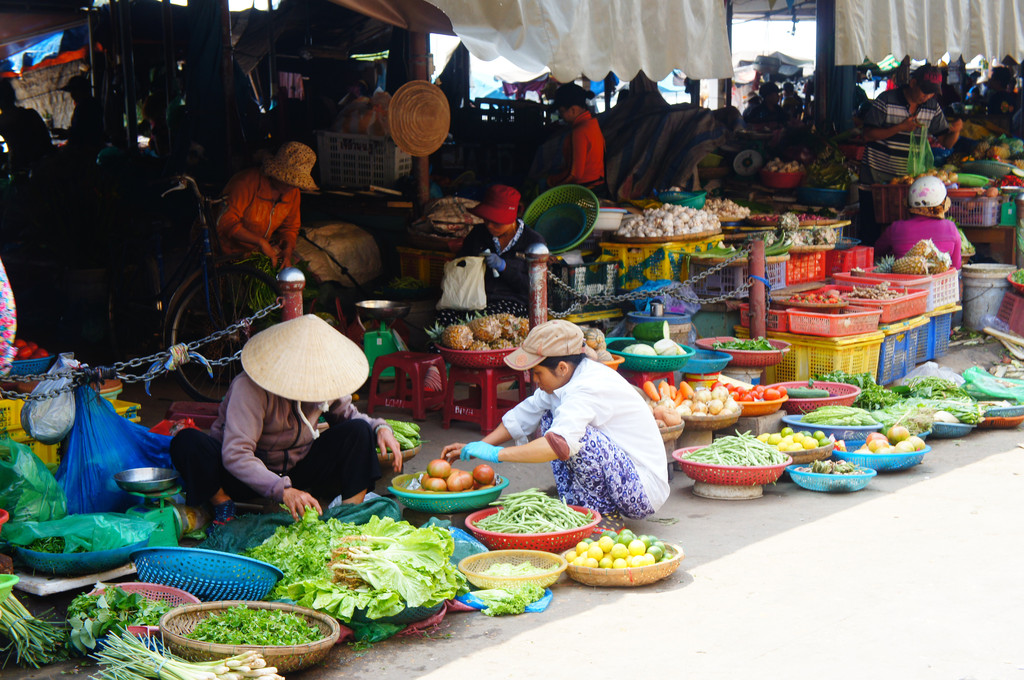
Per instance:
x=928, y=202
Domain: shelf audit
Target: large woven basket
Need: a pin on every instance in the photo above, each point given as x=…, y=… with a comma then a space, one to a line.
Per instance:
x=554, y=541
x=728, y=475
x=486, y=358
x=670, y=434
x=385, y=459
x=474, y=567
x=176, y=624
x=630, y=576
x=811, y=455
x=704, y=423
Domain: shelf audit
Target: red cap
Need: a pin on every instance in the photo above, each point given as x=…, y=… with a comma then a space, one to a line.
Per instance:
x=500, y=205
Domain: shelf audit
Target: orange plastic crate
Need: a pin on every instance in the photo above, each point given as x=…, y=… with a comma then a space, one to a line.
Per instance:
x=913, y=303
x=777, y=319
x=805, y=267
x=851, y=321
x=861, y=257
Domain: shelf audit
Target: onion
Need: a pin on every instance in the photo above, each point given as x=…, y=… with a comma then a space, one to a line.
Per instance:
x=703, y=396
x=715, y=407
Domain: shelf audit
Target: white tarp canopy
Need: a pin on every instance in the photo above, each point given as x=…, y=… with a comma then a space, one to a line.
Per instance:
x=576, y=37
x=927, y=29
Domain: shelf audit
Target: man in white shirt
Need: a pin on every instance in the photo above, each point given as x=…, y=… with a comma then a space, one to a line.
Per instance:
x=597, y=432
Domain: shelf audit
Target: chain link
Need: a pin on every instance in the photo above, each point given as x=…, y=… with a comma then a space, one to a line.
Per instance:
x=157, y=363
x=676, y=289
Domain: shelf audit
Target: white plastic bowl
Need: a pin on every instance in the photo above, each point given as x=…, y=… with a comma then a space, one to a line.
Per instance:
x=608, y=219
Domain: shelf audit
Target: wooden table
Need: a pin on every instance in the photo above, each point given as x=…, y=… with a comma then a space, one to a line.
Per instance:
x=1001, y=240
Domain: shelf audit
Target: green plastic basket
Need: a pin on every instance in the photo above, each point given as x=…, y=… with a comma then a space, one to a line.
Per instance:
x=645, y=362
x=572, y=194
x=7, y=583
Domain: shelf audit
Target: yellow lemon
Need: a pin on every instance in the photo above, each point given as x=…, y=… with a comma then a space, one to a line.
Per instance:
x=763, y=437
x=649, y=559
x=606, y=562
x=580, y=561
x=810, y=443
x=637, y=547
x=582, y=547
x=592, y=563
x=606, y=543
x=619, y=551
x=595, y=553
x=619, y=564
x=775, y=439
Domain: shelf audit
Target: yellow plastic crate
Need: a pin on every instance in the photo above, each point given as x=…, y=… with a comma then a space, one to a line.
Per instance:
x=809, y=356
x=48, y=453
x=127, y=409
x=10, y=414
x=642, y=263
x=425, y=265
x=600, y=315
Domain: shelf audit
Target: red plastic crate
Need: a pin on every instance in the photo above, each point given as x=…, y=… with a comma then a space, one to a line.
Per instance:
x=851, y=321
x=805, y=267
x=861, y=257
x=777, y=319
x=912, y=303
x=1011, y=312
x=943, y=289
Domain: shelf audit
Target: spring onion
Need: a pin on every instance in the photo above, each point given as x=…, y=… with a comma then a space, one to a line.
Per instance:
x=125, y=657
x=532, y=512
x=34, y=643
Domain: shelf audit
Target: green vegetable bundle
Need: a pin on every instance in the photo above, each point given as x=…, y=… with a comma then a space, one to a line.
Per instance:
x=937, y=388
x=30, y=641
x=872, y=395
x=264, y=627
x=532, y=512
x=125, y=657
x=839, y=415
x=742, y=450
x=93, y=616
x=513, y=600
x=407, y=434
x=758, y=345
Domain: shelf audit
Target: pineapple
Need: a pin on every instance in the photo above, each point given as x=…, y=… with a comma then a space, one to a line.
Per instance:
x=522, y=326
x=479, y=346
x=921, y=248
x=505, y=322
x=485, y=328
x=910, y=264
x=884, y=264
x=502, y=343
x=457, y=336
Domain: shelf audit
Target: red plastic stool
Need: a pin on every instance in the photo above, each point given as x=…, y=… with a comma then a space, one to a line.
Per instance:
x=202, y=413
x=483, y=405
x=638, y=378
x=408, y=391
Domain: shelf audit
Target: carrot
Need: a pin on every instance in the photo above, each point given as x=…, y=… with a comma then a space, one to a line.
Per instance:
x=651, y=391
x=685, y=390
x=663, y=390
x=672, y=392
x=679, y=398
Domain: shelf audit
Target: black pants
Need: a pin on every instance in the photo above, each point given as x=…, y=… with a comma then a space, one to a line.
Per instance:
x=342, y=461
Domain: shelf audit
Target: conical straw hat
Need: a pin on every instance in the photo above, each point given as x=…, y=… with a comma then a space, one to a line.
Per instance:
x=418, y=117
x=305, y=360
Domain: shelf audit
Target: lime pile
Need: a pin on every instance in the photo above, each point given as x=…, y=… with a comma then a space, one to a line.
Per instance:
x=786, y=440
x=617, y=551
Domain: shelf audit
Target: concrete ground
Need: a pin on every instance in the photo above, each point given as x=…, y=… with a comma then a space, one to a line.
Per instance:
x=917, y=576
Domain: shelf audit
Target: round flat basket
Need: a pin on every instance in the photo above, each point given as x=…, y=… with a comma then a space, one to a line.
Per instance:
x=705, y=423
x=176, y=624
x=728, y=475
x=444, y=502
x=999, y=423
x=554, y=541
x=475, y=567
x=1005, y=412
x=811, y=455
x=841, y=395
x=567, y=193
x=207, y=574
x=885, y=462
x=647, y=362
x=670, y=434
x=747, y=358
x=761, y=408
x=950, y=430
x=385, y=459
x=69, y=564
x=487, y=358
x=630, y=576
x=816, y=481
x=679, y=238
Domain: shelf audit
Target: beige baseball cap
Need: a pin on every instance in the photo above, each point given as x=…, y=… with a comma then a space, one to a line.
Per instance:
x=556, y=338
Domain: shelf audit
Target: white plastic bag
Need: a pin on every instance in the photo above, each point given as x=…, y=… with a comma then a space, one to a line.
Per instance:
x=463, y=284
x=931, y=369
x=50, y=420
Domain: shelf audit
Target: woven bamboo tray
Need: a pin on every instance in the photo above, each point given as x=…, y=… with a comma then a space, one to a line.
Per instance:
x=179, y=622
x=474, y=566
x=630, y=576
x=719, y=422
x=811, y=455
x=385, y=459
x=682, y=238
x=670, y=434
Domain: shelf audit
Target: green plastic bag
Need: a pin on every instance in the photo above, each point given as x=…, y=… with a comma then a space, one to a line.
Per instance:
x=28, y=490
x=983, y=385
x=920, y=158
x=89, y=532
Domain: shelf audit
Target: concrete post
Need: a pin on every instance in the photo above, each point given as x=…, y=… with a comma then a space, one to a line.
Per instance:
x=537, y=256
x=291, y=282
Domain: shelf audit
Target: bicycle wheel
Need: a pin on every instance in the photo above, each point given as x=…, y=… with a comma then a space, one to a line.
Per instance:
x=229, y=294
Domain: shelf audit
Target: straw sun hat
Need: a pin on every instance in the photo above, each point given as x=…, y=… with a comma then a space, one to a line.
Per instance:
x=291, y=165
x=304, y=359
x=419, y=118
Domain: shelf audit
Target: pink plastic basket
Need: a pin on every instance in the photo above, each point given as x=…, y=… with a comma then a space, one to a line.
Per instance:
x=727, y=475
x=555, y=541
x=851, y=321
x=747, y=358
x=842, y=395
x=943, y=289
x=488, y=358
x=776, y=320
x=913, y=303
x=152, y=591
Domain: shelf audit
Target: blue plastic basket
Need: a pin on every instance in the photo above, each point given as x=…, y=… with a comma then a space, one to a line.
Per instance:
x=845, y=432
x=833, y=198
x=950, y=430
x=1005, y=412
x=898, y=353
x=207, y=574
x=646, y=362
x=440, y=502
x=845, y=243
x=30, y=366
x=885, y=462
x=68, y=564
x=563, y=226
x=705, y=361
x=816, y=481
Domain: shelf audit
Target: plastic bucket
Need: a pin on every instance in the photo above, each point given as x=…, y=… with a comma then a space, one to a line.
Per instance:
x=698, y=380
x=678, y=324
x=984, y=286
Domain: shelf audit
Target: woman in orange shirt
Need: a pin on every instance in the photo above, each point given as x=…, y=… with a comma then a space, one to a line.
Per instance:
x=584, y=147
x=262, y=212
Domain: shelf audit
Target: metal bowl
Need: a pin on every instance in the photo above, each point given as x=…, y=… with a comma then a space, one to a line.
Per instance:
x=147, y=480
x=384, y=310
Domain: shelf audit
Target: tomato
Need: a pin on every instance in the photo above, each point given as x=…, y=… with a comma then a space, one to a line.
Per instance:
x=782, y=391
x=19, y=343
x=744, y=396
x=772, y=394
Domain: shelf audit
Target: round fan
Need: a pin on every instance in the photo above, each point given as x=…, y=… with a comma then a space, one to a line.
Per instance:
x=747, y=162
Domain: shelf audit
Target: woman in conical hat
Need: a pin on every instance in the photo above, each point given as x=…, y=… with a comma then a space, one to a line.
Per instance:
x=265, y=442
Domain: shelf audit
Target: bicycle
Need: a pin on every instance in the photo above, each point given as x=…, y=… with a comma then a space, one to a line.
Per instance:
x=205, y=293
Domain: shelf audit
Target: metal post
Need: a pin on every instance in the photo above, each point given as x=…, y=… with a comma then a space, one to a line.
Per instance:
x=418, y=56
x=537, y=256
x=291, y=282
x=758, y=308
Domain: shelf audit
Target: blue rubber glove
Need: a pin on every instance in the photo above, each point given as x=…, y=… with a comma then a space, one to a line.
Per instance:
x=481, y=450
x=495, y=262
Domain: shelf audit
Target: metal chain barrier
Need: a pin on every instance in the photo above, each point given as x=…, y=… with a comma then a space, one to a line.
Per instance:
x=160, y=363
x=676, y=289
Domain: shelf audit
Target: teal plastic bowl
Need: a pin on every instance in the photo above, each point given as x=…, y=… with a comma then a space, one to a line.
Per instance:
x=646, y=362
x=816, y=481
x=847, y=433
x=687, y=199
x=445, y=503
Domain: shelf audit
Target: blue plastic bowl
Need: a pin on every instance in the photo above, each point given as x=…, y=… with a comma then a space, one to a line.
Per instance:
x=30, y=366
x=67, y=564
x=844, y=432
x=1005, y=412
x=832, y=198
x=207, y=574
x=950, y=430
x=563, y=226
x=816, y=481
x=705, y=361
x=884, y=462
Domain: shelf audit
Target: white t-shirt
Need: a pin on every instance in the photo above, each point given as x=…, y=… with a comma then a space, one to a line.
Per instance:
x=598, y=396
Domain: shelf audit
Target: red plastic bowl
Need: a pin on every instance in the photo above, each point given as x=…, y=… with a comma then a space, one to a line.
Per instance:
x=842, y=395
x=782, y=180
x=487, y=358
x=728, y=475
x=1019, y=287
x=555, y=541
x=4, y=516
x=747, y=358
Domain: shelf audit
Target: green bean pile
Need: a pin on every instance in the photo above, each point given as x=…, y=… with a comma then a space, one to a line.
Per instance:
x=742, y=450
x=839, y=415
x=532, y=512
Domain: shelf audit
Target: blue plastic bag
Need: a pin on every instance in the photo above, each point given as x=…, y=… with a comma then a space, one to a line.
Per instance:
x=101, y=444
x=532, y=608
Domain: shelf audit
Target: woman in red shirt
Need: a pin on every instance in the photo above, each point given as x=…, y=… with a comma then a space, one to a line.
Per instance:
x=584, y=147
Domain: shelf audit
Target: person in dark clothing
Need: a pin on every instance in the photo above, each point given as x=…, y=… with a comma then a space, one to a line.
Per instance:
x=1002, y=101
x=85, y=134
x=767, y=115
x=502, y=240
x=23, y=130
